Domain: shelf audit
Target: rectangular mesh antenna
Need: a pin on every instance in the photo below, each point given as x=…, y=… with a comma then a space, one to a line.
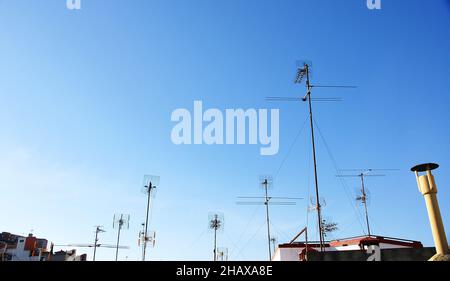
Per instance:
x=121, y=221
x=265, y=179
x=150, y=181
x=216, y=221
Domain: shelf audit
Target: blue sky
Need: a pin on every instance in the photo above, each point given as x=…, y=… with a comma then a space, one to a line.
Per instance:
x=86, y=98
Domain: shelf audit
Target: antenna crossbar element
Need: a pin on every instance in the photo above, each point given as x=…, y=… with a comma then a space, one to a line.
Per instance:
x=92, y=246
x=357, y=176
x=324, y=99
x=334, y=86
x=270, y=197
x=367, y=170
x=268, y=203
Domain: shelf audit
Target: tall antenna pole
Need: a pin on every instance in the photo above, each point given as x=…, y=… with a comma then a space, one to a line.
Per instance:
x=120, y=221
x=146, y=220
x=303, y=71
x=215, y=242
x=149, y=185
x=362, y=173
x=141, y=237
x=95, y=242
x=364, y=200
x=265, y=183
x=215, y=223
x=319, y=217
x=118, y=238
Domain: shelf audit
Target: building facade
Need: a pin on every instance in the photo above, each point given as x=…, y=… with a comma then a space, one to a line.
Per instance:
x=362, y=248
x=20, y=248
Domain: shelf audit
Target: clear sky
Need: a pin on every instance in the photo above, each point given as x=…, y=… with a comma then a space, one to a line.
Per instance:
x=86, y=98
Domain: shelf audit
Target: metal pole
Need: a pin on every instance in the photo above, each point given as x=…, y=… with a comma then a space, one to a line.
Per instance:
x=306, y=240
x=118, y=238
x=146, y=220
x=365, y=203
x=215, y=239
x=141, y=235
x=95, y=242
x=268, y=221
x=319, y=218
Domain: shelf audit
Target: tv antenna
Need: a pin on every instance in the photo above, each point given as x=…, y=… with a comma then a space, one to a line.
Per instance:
x=95, y=246
x=216, y=222
x=328, y=226
x=222, y=254
x=151, y=238
x=303, y=74
x=266, y=182
x=313, y=203
x=99, y=245
x=148, y=188
x=364, y=196
x=120, y=221
x=98, y=229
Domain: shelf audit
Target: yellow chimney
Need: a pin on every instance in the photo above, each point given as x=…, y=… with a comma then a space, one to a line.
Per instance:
x=428, y=188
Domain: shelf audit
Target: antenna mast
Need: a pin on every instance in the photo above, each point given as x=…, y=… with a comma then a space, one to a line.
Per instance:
x=304, y=70
x=215, y=223
x=266, y=182
x=98, y=229
x=308, y=97
x=149, y=186
x=266, y=202
x=363, y=197
x=364, y=201
x=120, y=221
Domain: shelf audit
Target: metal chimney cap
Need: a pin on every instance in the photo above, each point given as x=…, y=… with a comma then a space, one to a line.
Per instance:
x=425, y=167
